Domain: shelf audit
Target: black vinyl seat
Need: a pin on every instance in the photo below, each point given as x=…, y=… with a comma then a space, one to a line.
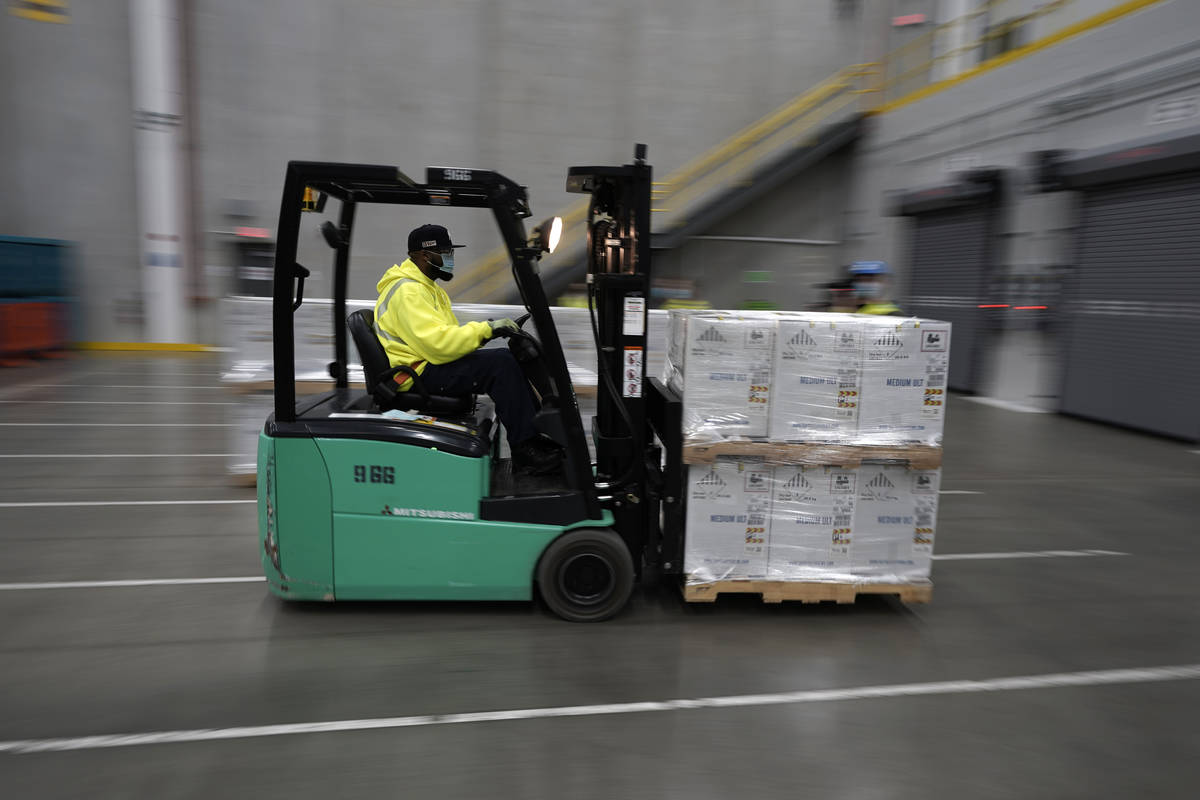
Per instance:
x=380, y=375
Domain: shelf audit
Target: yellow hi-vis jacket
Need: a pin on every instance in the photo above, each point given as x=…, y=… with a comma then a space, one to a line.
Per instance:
x=885, y=309
x=415, y=324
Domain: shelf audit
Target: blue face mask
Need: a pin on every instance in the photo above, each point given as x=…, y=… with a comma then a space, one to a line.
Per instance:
x=868, y=289
x=447, y=264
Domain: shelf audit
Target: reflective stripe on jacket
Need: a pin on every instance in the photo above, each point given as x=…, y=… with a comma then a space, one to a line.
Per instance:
x=415, y=324
x=884, y=309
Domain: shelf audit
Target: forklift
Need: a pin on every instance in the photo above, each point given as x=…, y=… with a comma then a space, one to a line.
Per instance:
x=377, y=494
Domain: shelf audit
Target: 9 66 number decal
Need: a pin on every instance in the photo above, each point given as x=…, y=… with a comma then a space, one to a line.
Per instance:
x=374, y=473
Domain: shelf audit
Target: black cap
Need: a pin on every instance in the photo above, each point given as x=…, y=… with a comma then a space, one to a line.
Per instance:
x=430, y=237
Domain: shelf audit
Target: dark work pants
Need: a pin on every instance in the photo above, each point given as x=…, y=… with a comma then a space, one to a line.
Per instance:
x=495, y=373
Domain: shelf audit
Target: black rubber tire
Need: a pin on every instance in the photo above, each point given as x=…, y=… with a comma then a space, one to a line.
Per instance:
x=586, y=575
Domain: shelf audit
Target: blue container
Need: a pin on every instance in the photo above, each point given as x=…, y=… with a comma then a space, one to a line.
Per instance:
x=33, y=267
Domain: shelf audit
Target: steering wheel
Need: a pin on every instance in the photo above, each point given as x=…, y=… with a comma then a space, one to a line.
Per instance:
x=523, y=344
x=528, y=351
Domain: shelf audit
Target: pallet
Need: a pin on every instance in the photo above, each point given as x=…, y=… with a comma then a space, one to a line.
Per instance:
x=246, y=479
x=807, y=592
x=917, y=456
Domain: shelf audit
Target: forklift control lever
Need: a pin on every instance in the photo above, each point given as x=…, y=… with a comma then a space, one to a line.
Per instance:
x=300, y=272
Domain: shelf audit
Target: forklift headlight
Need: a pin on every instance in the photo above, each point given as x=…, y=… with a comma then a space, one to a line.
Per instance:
x=547, y=235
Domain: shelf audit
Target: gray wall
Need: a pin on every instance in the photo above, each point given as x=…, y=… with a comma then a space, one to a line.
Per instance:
x=67, y=143
x=1093, y=90
x=526, y=87
x=1097, y=89
x=805, y=208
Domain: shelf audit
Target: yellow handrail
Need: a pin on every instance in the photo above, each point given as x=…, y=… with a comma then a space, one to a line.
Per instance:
x=758, y=129
x=733, y=159
x=736, y=153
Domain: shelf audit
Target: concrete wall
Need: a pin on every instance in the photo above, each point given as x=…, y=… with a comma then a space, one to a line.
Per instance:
x=526, y=87
x=521, y=86
x=67, y=142
x=1097, y=89
x=805, y=209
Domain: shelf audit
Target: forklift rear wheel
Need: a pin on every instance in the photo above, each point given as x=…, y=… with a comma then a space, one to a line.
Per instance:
x=586, y=575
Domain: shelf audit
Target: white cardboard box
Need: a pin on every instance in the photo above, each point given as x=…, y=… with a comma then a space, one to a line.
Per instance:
x=895, y=517
x=815, y=385
x=726, y=375
x=812, y=512
x=728, y=515
x=904, y=365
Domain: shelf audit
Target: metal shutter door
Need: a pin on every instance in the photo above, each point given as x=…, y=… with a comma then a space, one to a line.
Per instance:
x=946, y=277
x=1132, y=321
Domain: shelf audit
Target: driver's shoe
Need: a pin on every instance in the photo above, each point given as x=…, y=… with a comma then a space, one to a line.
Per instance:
x=536, y=458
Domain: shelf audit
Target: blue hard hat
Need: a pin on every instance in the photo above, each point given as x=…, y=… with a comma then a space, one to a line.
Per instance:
x=869, y=268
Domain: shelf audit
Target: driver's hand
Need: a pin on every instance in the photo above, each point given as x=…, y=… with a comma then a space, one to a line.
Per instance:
x=503, y=327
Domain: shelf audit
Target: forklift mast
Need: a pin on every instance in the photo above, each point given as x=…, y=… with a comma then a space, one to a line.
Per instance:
x=618, y=279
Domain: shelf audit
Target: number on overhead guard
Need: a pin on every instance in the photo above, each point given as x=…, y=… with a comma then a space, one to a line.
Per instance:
x=463, y=175
x=374, y=474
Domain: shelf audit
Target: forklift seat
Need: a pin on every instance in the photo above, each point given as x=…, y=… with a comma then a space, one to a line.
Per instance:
x=380, y=376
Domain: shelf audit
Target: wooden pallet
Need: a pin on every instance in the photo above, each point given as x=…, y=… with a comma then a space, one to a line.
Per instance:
x=847, y=455
x=807, y=592
x=247, y=479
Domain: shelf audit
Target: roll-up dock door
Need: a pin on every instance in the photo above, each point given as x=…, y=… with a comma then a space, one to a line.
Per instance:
x=951, y=259
x=1131, y=316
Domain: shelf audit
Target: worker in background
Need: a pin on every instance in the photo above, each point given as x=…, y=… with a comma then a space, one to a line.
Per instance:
x=416, y=326
x=871, y=289
x=841, y=297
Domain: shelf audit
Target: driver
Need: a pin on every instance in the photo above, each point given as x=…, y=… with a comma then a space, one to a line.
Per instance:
x=416, y=326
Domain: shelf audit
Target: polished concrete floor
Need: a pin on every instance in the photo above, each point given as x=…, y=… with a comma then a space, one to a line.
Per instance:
x=1115, y=604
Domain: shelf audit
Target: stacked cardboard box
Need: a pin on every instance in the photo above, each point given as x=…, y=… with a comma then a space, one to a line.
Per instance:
x=728, y=513
x=721, y=365
x=904, y=365
x=817, y=376
x=809, y=377
x=751, y=520
x=866, y=394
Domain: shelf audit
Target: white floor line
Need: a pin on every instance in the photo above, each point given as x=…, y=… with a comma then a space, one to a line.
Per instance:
x=1110, y=677
x=1026, y=554
x=957, y=491
x=153, y=373
x=119, y=455
x=1009, y=406
x=118, y=402
x=118, y=424
x=18, y=587
x=11, y=587
x=210, y=387
x=91, y=503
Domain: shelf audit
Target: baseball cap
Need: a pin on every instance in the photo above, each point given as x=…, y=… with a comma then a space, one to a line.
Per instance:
x=430, y=237
x=869, y=268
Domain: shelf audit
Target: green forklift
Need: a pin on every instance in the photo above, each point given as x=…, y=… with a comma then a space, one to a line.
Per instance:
x=374, y=494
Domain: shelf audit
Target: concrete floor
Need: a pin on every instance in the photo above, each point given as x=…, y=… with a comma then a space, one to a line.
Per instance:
x=79, y=662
